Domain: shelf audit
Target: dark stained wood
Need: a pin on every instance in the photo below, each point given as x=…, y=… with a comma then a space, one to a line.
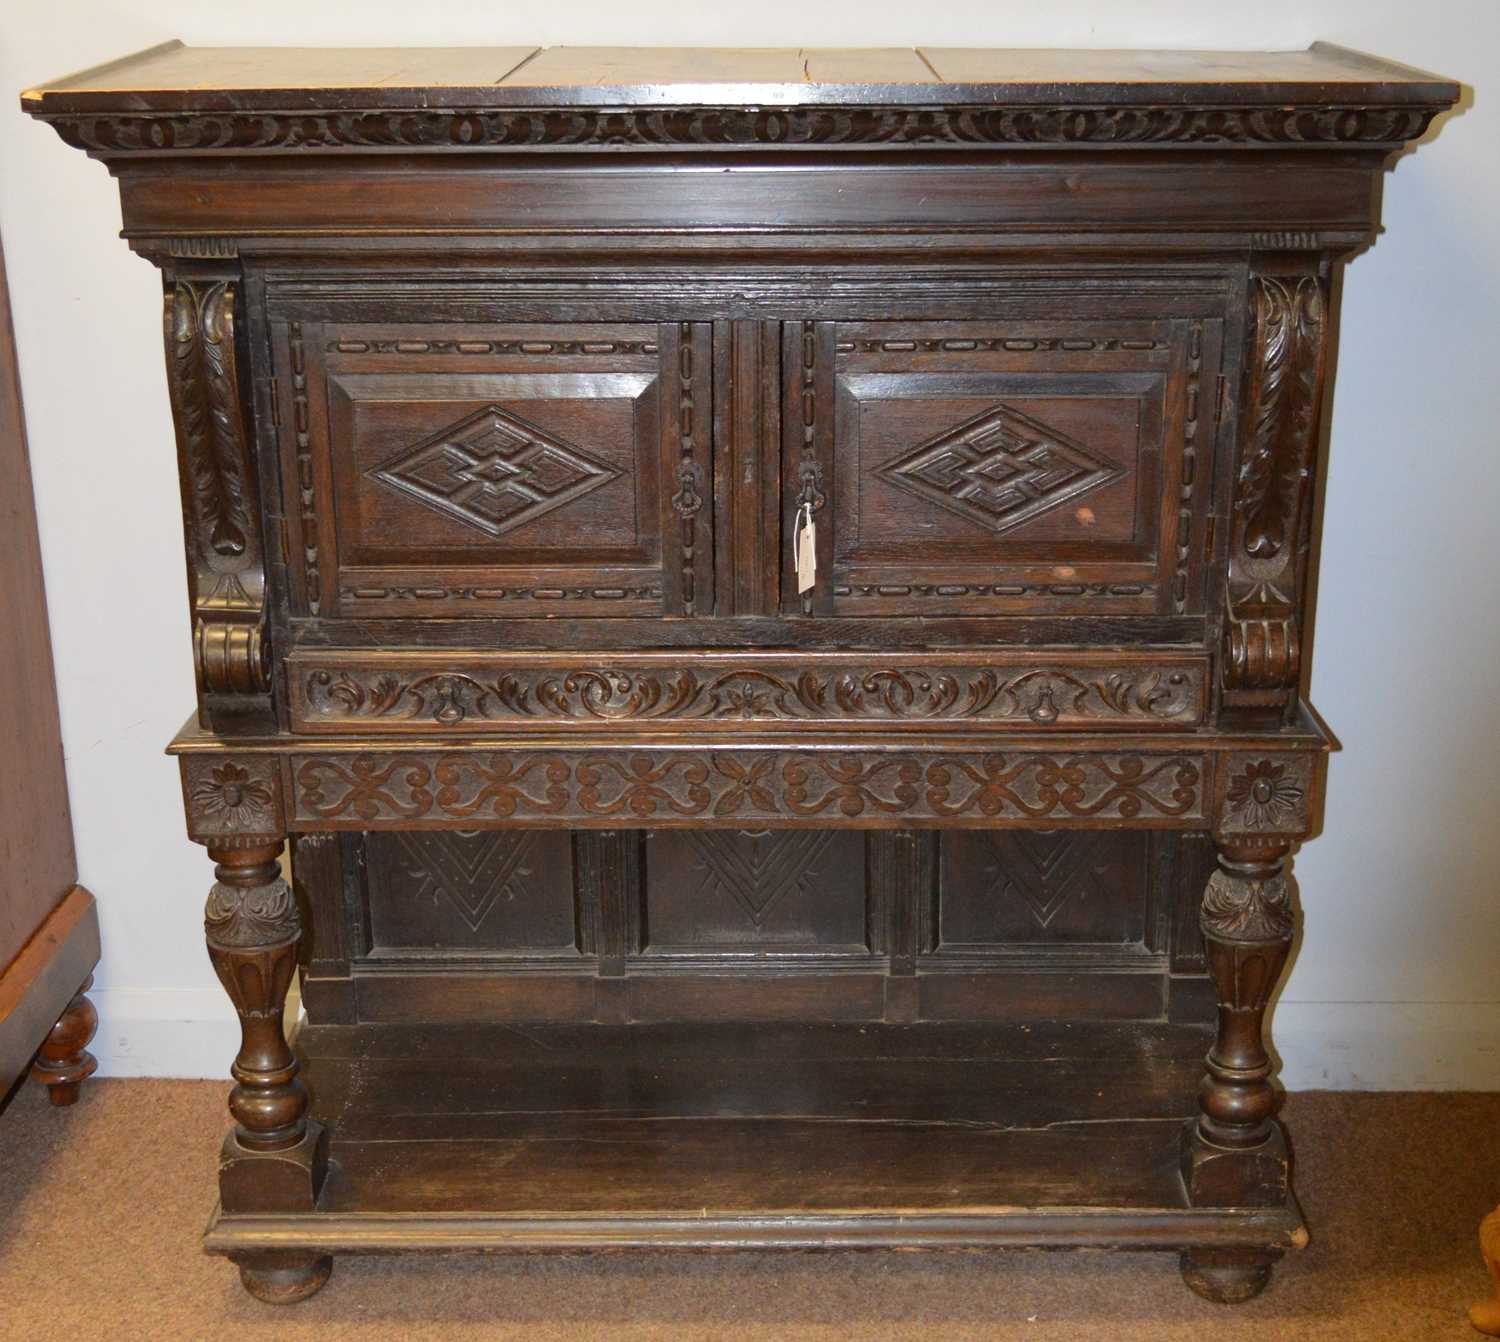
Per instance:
x=49, y=926
x=632, y=882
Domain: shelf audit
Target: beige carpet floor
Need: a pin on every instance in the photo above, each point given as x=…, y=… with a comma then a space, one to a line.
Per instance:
x=103, y=1204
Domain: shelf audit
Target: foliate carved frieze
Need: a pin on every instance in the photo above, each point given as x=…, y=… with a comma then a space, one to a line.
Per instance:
x=226, y=573
x=866, y=787
x=711, y=127
x=1262, y=654
x=233, y=801
x=1270, y=794
x=424, y=695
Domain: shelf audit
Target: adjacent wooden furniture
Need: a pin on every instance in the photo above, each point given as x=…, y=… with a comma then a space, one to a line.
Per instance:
x=768, y=591
x=49, y=927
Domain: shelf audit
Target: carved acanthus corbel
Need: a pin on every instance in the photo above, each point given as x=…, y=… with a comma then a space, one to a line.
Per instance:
x=1272, y=492
x=226, y=569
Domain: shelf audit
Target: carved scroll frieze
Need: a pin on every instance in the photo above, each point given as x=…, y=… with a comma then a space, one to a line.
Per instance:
x=226, y=572
x=233, y=801
x=425, y=695
x=711, y=127
x=661, y=786
x=1272, y=495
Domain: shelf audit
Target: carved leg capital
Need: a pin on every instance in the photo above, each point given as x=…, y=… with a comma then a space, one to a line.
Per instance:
x=63, y=1062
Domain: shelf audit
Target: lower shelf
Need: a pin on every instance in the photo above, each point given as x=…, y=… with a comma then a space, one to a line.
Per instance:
x=754, y=1136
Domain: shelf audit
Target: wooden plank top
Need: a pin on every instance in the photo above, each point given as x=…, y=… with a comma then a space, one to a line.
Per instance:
x=178, y=78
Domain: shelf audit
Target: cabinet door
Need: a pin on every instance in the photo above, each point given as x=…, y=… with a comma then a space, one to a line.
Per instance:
x=1001, y=467
x=453, y=469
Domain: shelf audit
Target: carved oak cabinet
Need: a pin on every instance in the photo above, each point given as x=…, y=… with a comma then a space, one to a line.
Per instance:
x=764, y=588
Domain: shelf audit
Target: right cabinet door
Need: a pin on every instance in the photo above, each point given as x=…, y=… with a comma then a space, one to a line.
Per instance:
x=988, y=468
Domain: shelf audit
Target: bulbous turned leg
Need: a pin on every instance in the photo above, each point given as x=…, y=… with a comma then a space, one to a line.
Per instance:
x=1247, y=921
x=274, y=1159
x=1227, y=1276
x=1234, y=1153
x=63, y=1062
x=1485, y=1316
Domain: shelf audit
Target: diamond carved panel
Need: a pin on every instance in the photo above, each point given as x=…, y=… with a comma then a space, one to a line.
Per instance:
x=758, y=870
x=470, y=870
x=495, y=471
x=1000, y=470
x=1044, y=869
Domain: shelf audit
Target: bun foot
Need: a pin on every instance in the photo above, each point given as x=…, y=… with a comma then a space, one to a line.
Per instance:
x=283, y=1278
x=1226, y=1276
x=63, y=1062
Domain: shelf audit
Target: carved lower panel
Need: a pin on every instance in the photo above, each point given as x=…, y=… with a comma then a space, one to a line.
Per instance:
x=328, y=694
x=226, y=573
x=666, y=787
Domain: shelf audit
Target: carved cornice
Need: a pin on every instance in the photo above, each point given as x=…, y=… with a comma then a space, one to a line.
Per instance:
x=1271, y=510
x=225, y=569
x=423, y=695
x=951, y=127
x=574, y=788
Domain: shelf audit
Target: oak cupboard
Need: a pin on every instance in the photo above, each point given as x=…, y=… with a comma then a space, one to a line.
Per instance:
x=765, y=588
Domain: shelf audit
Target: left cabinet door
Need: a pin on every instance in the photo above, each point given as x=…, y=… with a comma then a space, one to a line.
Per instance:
x=454, y=469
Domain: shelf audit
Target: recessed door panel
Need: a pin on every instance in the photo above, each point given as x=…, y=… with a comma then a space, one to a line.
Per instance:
x=985, y=467
x=475, y=469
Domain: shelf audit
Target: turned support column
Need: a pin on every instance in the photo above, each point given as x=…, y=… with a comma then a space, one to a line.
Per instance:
x=1234, y=1153
x=274, y=1159
x=1247, y=921
x=253, y=931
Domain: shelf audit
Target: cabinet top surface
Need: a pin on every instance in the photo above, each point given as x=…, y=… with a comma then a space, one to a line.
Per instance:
x=175, y=77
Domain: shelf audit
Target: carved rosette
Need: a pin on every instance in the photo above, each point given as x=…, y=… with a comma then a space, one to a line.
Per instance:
x=233, y=801
x=226, y=572
x=1273, y=488
x=1266, y=794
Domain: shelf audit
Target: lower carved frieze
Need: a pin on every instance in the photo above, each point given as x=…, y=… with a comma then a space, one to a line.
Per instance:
x=790, y=786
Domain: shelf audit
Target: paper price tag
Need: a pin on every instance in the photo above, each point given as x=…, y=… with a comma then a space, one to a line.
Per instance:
x=806, y=552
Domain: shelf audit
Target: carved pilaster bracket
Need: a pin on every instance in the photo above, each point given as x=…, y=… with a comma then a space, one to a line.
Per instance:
x=226, y=570
x=1273, y=489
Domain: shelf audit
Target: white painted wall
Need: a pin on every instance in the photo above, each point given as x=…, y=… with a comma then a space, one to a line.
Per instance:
x=1396, y=984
